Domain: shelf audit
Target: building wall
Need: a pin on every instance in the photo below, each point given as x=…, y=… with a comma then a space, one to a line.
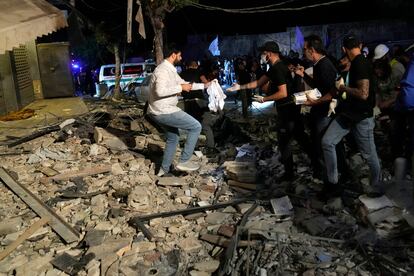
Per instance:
x=8, y=98
x=371, y=32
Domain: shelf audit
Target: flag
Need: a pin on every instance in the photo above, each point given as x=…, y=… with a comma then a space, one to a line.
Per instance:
x=140, y=19
x=214, y=47
x=299, y=40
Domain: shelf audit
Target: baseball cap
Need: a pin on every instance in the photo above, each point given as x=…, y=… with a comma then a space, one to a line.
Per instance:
x=270, y=46
x=380, y=51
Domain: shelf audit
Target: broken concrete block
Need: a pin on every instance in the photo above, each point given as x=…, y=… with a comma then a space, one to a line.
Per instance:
x=66, y=263
x=139, y=199
x=143, y=246
x=241, y=171
x=171, y=181
x=9, y=264
x=109, y=247
x=95, y=237
x=9, y=226
x=282, y=206
x=316, y=225
x=117, y=169
x=226, y=230
x=133, y=165
x=94, y=268
x=207, y=266
x=217, y=218
x=103, y=137
x=107, y=262
x=372, y=204
x=190, y=245
x=36, y=266
x=244, y=207
x=96, y=149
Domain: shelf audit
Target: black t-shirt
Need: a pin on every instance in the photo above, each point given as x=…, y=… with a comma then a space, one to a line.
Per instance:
x=192, y=75
x=279, y=74
x=324, y=76
x=353, y=108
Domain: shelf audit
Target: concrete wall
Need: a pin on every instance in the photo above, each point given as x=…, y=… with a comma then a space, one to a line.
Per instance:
x=34, y=69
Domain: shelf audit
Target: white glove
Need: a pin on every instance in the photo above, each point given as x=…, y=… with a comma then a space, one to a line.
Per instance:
x=234, y=87
x=332, y=107
x=258, y=98
x=339, y=82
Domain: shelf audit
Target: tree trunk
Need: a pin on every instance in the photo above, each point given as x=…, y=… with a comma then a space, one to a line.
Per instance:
x=156, y=16
x=117, y=89
x=159, y=46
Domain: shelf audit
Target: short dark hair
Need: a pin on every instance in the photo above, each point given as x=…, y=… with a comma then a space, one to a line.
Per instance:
x=171, y=49
x=351, y=42
x=316, y=43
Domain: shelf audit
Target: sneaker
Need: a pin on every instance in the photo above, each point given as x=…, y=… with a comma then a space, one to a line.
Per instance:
x=160, y=172
x=188, y=166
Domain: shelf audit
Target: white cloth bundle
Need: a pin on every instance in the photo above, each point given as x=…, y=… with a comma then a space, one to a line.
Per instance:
x=300, y=97
x=216, y=96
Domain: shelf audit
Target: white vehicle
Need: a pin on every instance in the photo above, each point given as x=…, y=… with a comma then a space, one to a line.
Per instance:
x=142, y=90
x=131, y=73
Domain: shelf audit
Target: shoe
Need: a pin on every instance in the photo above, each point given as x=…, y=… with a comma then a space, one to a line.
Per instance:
x=187, y=166
x=160, y=172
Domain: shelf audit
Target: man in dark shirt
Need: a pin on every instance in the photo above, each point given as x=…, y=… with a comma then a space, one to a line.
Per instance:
x=355, y=116
x=324, y=76
x=288, y=113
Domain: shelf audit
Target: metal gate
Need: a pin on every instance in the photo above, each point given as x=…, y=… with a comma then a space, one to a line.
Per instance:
x=55, y=69
x=22, y=78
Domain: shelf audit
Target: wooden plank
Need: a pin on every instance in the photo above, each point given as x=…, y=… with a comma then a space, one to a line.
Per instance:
x=81, y=173
x=224, y=242
x=61, y=227
x=247, y=186
x=29, y=232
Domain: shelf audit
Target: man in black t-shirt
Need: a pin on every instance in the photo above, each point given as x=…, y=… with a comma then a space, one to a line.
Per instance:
x=324, y=76
x=288, y=113
x=355, y=116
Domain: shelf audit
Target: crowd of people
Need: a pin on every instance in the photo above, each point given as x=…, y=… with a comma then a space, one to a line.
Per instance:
x=342, y=117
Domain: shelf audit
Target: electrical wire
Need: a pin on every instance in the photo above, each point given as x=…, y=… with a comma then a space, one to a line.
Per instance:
x=256, y=8
x=261, y=10
x=99, y=10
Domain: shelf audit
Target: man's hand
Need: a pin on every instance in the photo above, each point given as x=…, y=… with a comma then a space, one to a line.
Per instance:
x=310, y=101
x=300, y=70
x=259, y=99
x=339, y=84
x=234, y=87
x=332, y=106
x=186, y=87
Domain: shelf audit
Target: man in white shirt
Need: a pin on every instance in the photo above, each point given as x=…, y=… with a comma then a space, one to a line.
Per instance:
x=165, y=85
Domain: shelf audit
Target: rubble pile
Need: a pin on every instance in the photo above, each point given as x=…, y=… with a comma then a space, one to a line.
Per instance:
x=84, y=200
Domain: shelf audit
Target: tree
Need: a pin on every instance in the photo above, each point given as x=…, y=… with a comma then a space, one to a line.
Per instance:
x=156, y=10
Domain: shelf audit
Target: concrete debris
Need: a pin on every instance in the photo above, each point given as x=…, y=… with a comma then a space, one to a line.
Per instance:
x=98, y=175
x=282, y=206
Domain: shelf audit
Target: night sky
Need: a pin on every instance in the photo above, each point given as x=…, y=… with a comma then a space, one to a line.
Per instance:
x=190, y=20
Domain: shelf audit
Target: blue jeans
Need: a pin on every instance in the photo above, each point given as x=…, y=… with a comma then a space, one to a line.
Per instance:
x=363, y=133
x=172, y=123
